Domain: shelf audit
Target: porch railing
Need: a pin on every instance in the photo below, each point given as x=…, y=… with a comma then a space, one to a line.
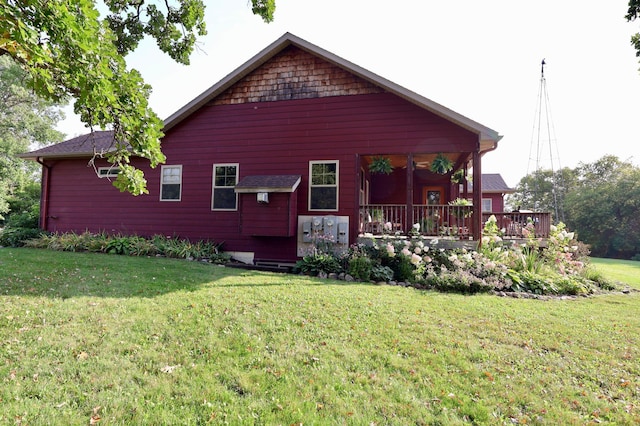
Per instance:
x=445, y=220
x=518, y=224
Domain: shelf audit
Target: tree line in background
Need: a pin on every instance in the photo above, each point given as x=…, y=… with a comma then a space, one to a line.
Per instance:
x=600, y=201
x=26, y=121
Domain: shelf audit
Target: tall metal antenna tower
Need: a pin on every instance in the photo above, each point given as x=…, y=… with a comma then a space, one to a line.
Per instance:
x=543, y=143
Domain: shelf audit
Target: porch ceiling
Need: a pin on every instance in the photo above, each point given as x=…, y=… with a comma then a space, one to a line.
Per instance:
x=422, y=161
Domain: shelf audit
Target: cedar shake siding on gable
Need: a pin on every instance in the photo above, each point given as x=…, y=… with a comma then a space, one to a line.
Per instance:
x=295, y=74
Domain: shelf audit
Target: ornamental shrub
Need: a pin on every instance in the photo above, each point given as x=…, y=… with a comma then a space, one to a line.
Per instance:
x=360, y=268
x=314, y=264
x=18, y=237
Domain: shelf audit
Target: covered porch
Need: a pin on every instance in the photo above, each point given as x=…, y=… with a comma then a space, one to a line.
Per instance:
x=417, y=196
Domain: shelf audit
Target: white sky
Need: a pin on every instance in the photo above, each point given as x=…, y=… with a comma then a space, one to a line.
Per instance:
x=479, y=58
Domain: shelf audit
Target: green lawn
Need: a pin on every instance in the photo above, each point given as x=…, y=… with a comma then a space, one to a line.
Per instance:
x=90, y=338
x=625, y=271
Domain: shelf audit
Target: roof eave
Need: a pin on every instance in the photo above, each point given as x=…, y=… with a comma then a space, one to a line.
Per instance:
x=35, y=157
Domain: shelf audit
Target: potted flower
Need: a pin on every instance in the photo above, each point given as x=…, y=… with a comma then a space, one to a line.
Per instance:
x=381, y=165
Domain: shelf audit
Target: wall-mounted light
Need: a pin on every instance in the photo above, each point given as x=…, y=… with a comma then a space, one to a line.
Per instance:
x=263, y=197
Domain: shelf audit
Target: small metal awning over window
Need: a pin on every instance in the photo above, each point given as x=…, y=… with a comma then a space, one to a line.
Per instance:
x=268, y=183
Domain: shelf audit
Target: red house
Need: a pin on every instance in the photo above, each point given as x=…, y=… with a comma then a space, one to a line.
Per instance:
x=494, y=188
x=276, y=153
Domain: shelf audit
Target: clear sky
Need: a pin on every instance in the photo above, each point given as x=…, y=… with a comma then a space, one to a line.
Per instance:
x=479, y=58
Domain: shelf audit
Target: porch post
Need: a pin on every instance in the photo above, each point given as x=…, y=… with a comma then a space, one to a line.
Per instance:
x=477, y=196
x=465, y=181
x=409, y=214
x=355, y=224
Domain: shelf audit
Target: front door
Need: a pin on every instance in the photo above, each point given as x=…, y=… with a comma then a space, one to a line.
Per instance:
x=431, y=217
x=432, y=195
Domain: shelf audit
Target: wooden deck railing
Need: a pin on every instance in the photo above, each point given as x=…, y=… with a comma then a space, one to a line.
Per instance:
x=514, y=224
x=445, y=220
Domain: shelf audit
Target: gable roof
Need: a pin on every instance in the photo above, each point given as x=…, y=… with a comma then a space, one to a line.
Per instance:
x=492, y=183
x=488, y=137
x=98, y=142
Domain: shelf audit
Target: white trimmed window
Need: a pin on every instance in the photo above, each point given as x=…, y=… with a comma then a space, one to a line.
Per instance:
x=225, y=178
x=323, y=185
x=487, y=205
x=171, y=183
x=108, y=172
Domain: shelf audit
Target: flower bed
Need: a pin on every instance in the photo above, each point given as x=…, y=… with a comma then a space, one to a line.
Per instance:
x=560, y=267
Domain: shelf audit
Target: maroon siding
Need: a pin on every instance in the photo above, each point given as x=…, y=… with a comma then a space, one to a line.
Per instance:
x=263, y=138
x=497, y=201
x=276, y=219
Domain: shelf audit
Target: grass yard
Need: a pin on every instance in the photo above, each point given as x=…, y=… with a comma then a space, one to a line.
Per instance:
x=98, y=339
x=626, y=271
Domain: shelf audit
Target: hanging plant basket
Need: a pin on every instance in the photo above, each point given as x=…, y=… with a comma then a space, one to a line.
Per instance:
x=441, y=165
x=458, y=177
x=381, y=165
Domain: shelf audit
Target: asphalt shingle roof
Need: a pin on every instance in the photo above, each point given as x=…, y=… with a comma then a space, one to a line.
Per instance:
x=80, y=146
x=268, y=183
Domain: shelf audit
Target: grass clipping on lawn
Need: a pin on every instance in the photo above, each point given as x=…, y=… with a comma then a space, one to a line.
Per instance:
x=90, y=338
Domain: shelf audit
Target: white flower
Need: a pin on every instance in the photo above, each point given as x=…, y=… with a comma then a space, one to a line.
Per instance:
x=453, y=257
x=417, y=250
x=426, y=259
x=420, y=244
x=415, y=259
x=406, y=252
x=391, y=251
x=407, y=243
x=416, y=227
x=388, y=226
